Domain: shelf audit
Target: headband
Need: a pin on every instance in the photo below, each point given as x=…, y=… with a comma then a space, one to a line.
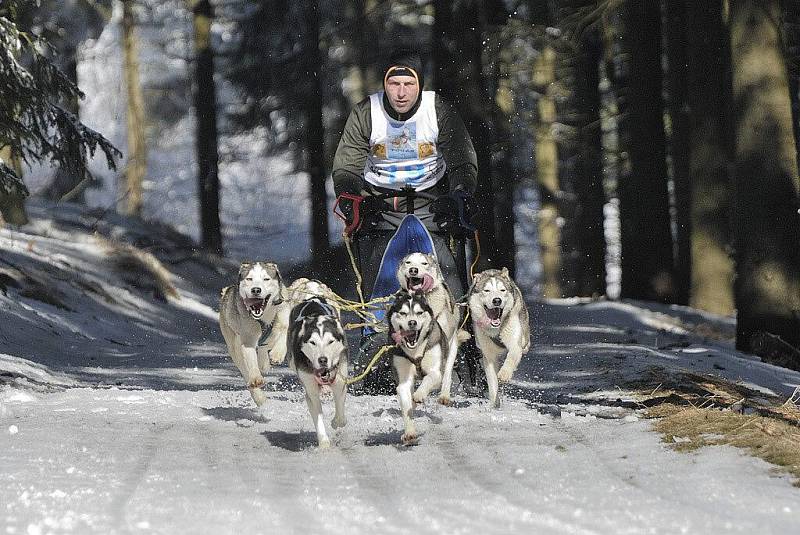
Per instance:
x=400, y=70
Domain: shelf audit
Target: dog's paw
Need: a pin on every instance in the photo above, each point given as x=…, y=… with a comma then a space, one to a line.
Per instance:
x=445, y=400
x=418, y=398
x=504, y=375
x=325, y=443
x=259, y=396
x=258, y=382
x=276, y=359
x=338, y=422
x=409, y=438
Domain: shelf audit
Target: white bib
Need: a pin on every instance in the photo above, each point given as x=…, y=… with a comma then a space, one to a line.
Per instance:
x=404, y=153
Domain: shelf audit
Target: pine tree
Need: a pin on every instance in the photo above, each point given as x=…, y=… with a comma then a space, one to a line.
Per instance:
x=34, y=127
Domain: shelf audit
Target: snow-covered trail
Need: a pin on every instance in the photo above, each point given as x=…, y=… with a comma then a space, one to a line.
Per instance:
x=121, y=413
x=89, y=460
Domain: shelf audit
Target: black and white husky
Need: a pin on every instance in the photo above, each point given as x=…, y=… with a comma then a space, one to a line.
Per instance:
x=420, y=353
x=501, y=325
x=420, y=273
x=247, y=310
x=317, y=352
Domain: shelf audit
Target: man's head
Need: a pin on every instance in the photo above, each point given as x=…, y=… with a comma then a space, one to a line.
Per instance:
x=402, y=79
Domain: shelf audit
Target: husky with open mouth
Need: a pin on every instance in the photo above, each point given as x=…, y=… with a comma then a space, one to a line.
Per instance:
x=318, y=353
x=501, y=325
x=419, y=353
x=247, y=311
x=420, y=273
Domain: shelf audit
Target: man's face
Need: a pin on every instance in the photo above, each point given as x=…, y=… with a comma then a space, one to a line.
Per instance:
x=402, y=92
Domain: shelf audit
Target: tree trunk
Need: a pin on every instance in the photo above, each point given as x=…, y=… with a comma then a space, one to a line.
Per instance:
x=130, y=194
x=791, y=22
x=679, y=147
x=458, y=77
x=205, y=104
x=315, y=139
x=589, y=187
x=647, y=265
x=546, y=156
x=12, y=207
x=504, y=176
x=708, y=95
x=767, y=224
x=366, y=74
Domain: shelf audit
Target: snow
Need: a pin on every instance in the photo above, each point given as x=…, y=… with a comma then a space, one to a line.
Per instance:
x=121, y=413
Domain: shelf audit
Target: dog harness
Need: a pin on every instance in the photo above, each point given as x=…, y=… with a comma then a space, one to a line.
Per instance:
x=329, y=310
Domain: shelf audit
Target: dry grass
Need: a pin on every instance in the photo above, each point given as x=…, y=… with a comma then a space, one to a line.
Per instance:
x=696, y=410
x=773, y=440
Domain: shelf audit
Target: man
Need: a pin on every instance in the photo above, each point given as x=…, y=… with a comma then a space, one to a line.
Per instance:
x=402, y=140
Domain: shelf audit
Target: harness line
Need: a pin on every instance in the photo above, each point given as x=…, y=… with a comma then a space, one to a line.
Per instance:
x=379, y=354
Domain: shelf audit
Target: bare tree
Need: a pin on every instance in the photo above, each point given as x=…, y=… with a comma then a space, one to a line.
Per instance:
x=708, y=98
x=647, y=259
x=458, y=76
x=679, y=143
x=205, y=105
x=767, y=223
x=130, y=191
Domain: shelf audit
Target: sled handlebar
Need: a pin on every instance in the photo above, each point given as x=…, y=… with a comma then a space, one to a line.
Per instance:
x=356, y=200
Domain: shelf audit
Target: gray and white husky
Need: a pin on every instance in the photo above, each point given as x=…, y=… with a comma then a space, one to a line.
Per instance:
x=501, y=325
x=247, y=310
x=317, y=351
x=420, y=353
x=420, y=273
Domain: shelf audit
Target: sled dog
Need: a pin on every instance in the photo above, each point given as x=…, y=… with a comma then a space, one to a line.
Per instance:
x=501, y=325
x=317, y=352
x=247, y=311
x=420, y=273
x=298, y=291
x=420, y=353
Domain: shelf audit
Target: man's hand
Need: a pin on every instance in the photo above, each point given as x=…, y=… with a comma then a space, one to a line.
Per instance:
x=359, y=211
x=453, y=213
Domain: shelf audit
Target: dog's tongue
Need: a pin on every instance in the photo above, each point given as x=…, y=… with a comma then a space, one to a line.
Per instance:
x=426, y=284
x=323, y=376
x=397, y=336
x=484, y=322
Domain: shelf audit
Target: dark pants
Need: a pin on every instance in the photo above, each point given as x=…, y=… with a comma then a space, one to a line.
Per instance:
x=369, y=250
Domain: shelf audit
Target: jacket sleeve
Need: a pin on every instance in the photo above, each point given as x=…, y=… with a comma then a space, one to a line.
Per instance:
x=353, y=149
x=456, y=147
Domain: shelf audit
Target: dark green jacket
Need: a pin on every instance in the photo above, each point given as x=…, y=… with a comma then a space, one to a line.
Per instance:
x=454, y=144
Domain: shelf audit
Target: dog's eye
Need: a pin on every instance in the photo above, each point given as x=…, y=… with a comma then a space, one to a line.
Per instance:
x=503, y=290
x=249, y=279
x=312, y=342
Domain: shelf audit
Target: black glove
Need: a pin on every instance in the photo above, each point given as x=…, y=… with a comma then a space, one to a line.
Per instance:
x=369, y=209
x=453, y=213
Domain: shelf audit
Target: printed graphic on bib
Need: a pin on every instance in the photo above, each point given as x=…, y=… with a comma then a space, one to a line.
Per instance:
x=402, y=141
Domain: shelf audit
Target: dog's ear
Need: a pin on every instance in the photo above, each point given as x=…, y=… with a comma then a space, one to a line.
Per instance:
x=504, y=272
x=244, y=267
x=475, y=280
x=278, y=298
